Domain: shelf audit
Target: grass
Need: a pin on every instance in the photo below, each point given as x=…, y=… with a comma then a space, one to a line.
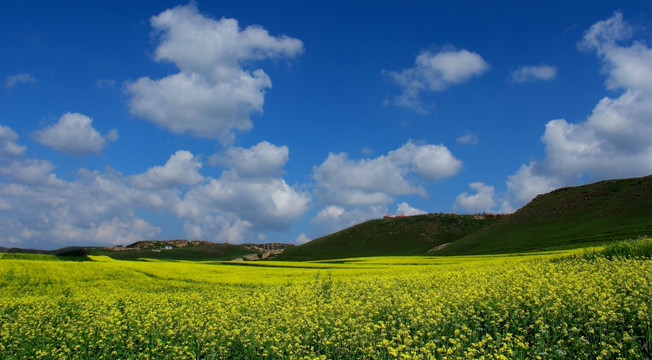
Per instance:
x=21, y=256
x=567, y=218
x=202, y=252
x=412, y=235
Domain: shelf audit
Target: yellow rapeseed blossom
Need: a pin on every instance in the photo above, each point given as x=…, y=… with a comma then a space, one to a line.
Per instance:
x=491, y=307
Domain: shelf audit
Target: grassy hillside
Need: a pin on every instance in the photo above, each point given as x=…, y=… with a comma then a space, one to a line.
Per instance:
x=164, y=250
x=566, y=218
x=410, y=235
x=208, y=251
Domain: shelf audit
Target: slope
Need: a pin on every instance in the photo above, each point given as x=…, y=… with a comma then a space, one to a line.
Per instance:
x=409, y=235
x=205, y=251
x=568, y=217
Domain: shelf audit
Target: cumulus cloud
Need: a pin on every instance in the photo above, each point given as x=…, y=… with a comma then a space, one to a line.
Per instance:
x=38, y=209
x=232, y=207
x=268, y=203
x=74, y=134
x=628, y=67
x=334, y=218
x=30, y=171
x=352, y=191
x=14, y=80
x=218, y=228
x=605, y=34
x=182, y=168
x=533, y=73
x=529, y=181
x=406, y=209
x=257, y=198
x=482, y=201
x=344, y=181
x=302, y=239
x=212, y=95
x=47, y=212
x=613, y=142
x=250, y=195
x=8, y=146
x=263, y=159
x=431, y=162
x=435, y=72
x=113, y=231
x=363, y=182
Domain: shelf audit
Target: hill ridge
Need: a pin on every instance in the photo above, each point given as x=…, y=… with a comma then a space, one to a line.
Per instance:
x=409, y=235
x=568, y=217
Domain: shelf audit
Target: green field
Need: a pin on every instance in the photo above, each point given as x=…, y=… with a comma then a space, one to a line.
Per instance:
x=567, y=304
x=404, y=236
x=198, y=252
x=571, y=217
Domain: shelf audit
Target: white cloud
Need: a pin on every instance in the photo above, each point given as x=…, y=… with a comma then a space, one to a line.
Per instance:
x=182, y=168
x=605, y=34
x=432, y=162
x=212, y=95
x=38, y=209
x=448, y=67
x=74, y=134
x=113, y=231
x=302, y=239
x=15, y=80
x=528, y=182
x=246, y=197
x=482, y=201
x=613, y=142
x=468, y=139
x=263, y=159
x=364, y=182
x=406, y=209
x=267, y=203
x=351, y=191
x=186, y=103
x=218, y=229
x=47, y=212
x=628, y=66
x=435, y=72
x=347, y=182
x=30, y=171
x=533, y=73
x=334, y=218
x=8, y=146
x=331, y=212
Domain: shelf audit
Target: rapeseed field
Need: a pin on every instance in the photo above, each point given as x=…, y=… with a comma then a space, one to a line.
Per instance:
x=542, y=306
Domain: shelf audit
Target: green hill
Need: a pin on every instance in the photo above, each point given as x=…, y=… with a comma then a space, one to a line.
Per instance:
x=190, y=250
x=566, y=218
x=410, y=235
x=165, y=250
x=207, y=251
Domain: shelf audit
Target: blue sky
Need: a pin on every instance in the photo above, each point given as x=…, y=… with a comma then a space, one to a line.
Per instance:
x=249, y=121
